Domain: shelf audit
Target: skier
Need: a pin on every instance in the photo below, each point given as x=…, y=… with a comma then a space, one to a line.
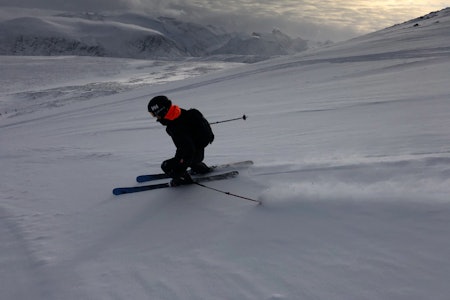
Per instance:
x=190, y=133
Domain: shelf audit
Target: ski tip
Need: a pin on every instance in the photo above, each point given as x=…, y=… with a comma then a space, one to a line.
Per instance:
x=150, y=177
x=119, y=191
x=140, y=179
x=116, y=192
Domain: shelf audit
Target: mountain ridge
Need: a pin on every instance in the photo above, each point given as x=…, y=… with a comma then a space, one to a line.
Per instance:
x=132, y=35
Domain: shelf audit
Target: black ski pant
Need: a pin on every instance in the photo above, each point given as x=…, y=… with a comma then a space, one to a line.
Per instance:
x=175, y=168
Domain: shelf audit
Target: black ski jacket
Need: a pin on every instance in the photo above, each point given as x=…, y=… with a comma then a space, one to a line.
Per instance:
x=190, y=133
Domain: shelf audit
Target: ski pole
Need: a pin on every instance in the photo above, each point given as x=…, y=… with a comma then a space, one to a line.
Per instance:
x=244, y=117
x=228, y=193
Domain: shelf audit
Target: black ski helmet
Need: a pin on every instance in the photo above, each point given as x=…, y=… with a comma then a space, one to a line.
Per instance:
x=159, y=106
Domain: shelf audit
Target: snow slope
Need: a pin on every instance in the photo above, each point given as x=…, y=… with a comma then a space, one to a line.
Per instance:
x=352, y=162
x=28, y=84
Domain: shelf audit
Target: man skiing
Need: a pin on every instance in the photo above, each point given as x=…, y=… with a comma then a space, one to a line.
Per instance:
x=190, y=133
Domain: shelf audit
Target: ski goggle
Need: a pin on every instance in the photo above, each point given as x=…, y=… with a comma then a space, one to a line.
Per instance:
x=158, y=113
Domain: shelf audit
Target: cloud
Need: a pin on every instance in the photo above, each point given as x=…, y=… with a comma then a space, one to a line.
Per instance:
x=310, y=19
x=67, y=5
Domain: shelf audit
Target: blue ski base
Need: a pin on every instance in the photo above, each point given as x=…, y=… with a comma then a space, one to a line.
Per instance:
x=141, y=188
x=215, y=168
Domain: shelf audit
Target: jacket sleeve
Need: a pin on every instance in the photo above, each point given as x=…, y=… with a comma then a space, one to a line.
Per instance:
x=185, y=146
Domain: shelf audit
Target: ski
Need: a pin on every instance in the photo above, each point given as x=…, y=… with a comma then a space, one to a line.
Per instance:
x=141, y=188
x=152, y=177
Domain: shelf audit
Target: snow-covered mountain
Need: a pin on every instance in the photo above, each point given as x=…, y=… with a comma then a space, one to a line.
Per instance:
x=135, y=36
x=274, y=43
x=431, y=31
x=351, y=155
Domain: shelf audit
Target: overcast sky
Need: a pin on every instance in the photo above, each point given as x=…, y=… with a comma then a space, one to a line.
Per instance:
x=310, y=19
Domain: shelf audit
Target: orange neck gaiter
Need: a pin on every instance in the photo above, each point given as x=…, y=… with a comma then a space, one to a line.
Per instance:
x=173, y=113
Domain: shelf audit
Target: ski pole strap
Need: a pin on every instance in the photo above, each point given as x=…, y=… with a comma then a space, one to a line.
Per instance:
x=228, y=193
